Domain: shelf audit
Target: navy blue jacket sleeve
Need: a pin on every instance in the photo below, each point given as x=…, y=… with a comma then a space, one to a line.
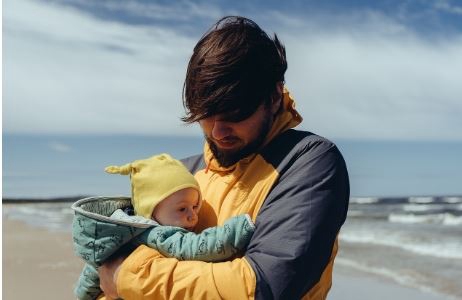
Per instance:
x=299, y=221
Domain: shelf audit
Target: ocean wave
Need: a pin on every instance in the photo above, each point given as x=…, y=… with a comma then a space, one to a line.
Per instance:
x=355, y=213
x=49, y=216
x=422, y=200
x=364, y=200
x=452, y=199
x=421, y=207
x=442, y=218
x=452, y=220
x=414, y=200
x=437, y=247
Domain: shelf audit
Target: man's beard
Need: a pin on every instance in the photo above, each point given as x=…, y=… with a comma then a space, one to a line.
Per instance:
x=228, y=158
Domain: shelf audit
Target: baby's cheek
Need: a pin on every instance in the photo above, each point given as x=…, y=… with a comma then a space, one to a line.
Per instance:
x=181, y=223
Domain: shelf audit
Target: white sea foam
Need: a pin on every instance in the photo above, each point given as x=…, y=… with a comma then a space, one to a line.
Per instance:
x=420, y=207
x=447, y=248
x=50, y=216
x=413, y=219
x=451, y=220
x=32, y=211
x=442, y=218
x=452, y=199
x=364, y=200
x=421, y=200
x=67, y=210
x=355, y=213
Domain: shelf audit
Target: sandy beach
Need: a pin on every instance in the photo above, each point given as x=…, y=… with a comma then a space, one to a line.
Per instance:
x=348, y=284
x=40, y=264
x=37, y=264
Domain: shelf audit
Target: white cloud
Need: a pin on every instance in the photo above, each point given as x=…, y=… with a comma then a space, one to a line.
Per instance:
x=362, y=75
x=68, y=72
x=177, y=10
x=367, y=81
x=444, y=5
x=180, y=10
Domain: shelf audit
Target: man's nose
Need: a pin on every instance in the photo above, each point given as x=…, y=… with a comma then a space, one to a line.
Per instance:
x=220, y=130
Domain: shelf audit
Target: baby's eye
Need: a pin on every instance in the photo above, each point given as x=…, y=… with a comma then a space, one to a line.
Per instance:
x=195, y=207
x=183, y=209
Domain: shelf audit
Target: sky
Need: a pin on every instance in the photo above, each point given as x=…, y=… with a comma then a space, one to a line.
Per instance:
x=367, y=70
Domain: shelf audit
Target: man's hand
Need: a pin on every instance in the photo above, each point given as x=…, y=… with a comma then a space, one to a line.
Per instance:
x=108, y=273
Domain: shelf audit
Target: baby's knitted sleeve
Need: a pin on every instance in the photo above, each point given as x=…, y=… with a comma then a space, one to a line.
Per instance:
x=211, y=245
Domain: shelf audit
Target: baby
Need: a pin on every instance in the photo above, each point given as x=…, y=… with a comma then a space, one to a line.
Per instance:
x=166, y=200
x=163, y=190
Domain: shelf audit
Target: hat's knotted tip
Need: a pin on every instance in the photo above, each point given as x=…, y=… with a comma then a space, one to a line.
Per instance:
x=123, y=170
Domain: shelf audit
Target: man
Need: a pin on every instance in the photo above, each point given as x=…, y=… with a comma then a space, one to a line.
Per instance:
x=294, y=184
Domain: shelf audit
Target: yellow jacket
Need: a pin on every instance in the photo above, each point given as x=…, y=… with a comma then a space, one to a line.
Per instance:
x=295, y=189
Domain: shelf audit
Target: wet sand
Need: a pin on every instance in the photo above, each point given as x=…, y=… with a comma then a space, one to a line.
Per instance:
x=351, y=284
x=37, y=264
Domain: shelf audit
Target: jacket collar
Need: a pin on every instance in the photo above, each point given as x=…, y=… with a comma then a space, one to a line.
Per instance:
x=285, y=119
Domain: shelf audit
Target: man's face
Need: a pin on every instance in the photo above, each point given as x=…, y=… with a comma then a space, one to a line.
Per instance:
x=230, y=141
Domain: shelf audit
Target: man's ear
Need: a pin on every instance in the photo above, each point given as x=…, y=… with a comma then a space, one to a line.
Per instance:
x=276, y=101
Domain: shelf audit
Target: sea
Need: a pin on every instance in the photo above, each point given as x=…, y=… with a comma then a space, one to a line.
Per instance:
x=404, y=221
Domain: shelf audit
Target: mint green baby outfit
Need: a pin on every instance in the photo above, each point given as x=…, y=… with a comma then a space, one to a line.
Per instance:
x=101, y=228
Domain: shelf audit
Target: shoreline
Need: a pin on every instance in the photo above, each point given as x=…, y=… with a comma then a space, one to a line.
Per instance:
x=40, y=263
x=21, y=200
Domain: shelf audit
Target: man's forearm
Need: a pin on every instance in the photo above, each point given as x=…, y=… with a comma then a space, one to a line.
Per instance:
x=108, y=274
x=146, y=274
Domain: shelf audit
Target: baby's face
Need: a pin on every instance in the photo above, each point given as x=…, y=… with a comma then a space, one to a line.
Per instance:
x=179, y=209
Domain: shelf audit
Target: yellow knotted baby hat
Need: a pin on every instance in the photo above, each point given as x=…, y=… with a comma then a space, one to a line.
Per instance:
x=153, y=179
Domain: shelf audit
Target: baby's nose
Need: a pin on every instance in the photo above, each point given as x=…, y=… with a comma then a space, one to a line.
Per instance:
x=192, y=216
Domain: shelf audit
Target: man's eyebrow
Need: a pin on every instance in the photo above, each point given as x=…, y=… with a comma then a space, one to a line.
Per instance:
x=235, y=116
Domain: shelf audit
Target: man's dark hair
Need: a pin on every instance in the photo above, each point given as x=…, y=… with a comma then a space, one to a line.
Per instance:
x=234, y=69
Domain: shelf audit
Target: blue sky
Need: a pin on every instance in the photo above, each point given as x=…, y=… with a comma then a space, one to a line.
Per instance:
x=358, y=69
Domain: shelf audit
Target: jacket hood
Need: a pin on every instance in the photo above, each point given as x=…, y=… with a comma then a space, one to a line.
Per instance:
x=286, y=118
